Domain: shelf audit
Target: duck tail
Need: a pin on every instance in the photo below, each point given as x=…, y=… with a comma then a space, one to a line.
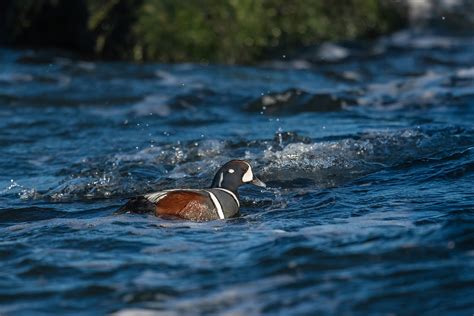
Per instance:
x=137, y=205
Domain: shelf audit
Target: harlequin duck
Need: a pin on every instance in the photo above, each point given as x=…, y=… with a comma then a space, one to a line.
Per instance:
x=220, y=201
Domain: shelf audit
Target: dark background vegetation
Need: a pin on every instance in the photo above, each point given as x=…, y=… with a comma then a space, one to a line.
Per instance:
x=227, y=31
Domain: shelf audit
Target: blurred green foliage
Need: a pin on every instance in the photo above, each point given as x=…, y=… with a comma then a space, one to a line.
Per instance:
x=223, y=31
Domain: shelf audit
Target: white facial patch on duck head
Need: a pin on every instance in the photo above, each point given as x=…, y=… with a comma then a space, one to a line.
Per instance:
x=231, y=170
x=248, y=175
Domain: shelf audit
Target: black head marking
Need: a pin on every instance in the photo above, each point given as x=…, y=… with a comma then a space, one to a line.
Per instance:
x=234, y=174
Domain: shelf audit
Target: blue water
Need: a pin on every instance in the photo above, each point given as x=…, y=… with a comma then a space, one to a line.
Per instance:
x=369, y=159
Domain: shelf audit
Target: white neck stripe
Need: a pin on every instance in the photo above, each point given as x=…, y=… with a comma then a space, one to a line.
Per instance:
x=231, y=193
x=217, y=205
x=221, y=178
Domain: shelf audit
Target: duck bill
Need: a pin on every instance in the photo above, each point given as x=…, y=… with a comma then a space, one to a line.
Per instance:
x=258, y=183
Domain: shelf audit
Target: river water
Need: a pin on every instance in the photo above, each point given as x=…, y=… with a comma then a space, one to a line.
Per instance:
x=367, y=150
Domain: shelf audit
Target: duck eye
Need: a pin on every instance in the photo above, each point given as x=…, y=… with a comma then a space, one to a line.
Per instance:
x=231, y=170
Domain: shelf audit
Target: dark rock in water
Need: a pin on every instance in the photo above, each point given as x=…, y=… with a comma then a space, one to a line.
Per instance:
x=196, y=106
x=295, y=101
x=192, y=99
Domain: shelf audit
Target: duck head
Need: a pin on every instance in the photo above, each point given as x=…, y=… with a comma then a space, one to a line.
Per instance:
x=235, y=173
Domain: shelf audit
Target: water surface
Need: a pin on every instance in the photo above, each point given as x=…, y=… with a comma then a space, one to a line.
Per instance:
x=369, y=158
